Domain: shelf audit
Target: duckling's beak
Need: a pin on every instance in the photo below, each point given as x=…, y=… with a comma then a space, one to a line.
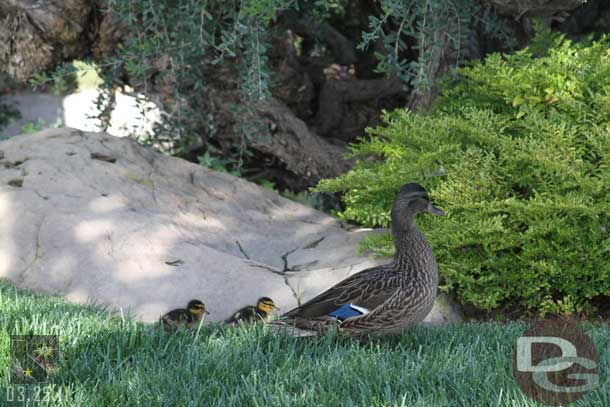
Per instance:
x=433, y=209
x=206, y=312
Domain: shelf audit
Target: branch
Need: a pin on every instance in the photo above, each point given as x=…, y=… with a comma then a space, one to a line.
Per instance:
x=335, y=93
x=531, y=8
x=303, y=152
x=342, y=48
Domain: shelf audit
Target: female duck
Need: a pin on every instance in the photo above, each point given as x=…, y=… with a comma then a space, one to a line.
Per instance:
x=384, y=299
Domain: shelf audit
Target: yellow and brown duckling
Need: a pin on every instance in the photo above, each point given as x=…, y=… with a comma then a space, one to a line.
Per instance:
x=188, y=317
x=260, y=312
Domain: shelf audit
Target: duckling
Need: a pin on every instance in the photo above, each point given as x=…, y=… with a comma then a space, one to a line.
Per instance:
x=187, y=318
x=384, y=299
x=251, y=313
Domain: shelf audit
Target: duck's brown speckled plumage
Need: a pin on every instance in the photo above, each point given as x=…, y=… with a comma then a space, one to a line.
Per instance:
x=250, y=313
x=398, y=295
x=188, y=317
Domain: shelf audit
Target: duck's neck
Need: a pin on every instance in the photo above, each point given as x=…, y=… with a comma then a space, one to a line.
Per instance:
x=413, y=252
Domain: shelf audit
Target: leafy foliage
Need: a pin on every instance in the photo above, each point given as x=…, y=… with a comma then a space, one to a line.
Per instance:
x=176, y=46
x=431, y=29
x=179, y=48
x=8, y=113
x=517, y=152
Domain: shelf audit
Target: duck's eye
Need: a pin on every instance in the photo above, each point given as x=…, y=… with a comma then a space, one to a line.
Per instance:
x=267, y=305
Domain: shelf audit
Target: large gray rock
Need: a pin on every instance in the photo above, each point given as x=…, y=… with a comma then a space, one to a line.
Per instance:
x=101, y=219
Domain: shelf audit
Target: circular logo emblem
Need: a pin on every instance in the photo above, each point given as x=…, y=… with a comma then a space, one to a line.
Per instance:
x=556, y=363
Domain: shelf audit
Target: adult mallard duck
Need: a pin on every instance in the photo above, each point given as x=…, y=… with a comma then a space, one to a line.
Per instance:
x=184, y=317
x=260, y=312
x=383, y=299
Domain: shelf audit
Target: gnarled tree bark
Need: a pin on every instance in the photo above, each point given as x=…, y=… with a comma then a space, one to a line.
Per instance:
x=534, y=8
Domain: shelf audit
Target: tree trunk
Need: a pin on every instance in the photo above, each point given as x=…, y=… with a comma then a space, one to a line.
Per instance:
x=36, y=36
x=283, y=135
x=533, y=8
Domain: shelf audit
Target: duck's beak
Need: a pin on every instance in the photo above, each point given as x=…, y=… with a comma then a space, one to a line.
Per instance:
x=433, y=209
x=207, y=312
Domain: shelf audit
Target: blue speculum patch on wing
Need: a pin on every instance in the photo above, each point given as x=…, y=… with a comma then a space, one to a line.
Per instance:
x=347, y=311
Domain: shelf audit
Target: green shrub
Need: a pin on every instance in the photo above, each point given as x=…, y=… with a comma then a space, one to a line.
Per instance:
x=517, y=151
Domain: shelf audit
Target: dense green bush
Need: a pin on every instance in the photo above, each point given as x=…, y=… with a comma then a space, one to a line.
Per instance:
x=517, y=151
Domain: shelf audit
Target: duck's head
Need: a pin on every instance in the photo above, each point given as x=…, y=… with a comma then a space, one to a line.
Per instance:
x=196, y=307
x=413, y=198
x=265, y=304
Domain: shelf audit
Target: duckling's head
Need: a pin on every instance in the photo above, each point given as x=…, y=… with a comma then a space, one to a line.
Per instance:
x=413, y=198
x=196, y=307
x=265, y=304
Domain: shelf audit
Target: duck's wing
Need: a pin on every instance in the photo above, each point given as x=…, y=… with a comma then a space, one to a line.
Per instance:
x=368, y=288
x=174, y=318
x=234, y=318
x=389, y=317
x=246, y=313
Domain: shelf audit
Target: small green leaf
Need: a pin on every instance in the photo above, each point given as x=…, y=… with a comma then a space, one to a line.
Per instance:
x=518, y=100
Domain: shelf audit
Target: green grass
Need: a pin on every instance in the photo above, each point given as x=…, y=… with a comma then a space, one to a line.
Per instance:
x=111, y=361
